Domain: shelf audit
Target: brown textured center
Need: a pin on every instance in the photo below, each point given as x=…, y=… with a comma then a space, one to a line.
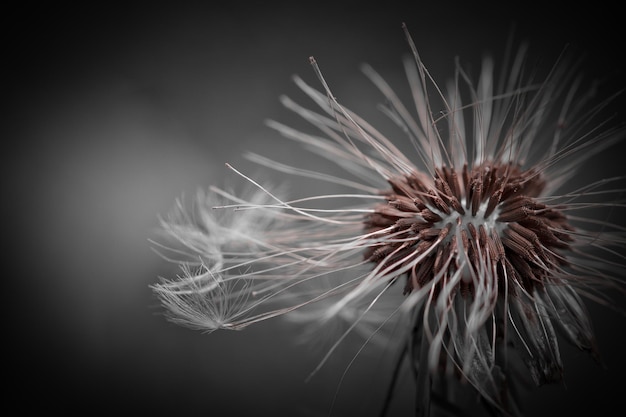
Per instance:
x=488, y=215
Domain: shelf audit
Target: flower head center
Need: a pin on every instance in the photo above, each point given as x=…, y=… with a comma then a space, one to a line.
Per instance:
x=475, y=225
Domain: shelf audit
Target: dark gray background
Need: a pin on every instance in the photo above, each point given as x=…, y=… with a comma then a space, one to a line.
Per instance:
x=112, y=111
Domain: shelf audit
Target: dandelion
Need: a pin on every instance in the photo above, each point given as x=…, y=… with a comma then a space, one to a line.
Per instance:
x=480, y=229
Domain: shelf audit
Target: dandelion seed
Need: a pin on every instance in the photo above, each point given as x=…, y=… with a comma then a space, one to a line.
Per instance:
x=203, y=300
x=480, y=229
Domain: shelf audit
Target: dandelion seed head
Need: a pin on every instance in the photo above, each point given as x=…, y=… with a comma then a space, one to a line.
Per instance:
x=480, y=227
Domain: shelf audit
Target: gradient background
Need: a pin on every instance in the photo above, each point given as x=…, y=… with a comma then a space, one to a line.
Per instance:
x=113, y=111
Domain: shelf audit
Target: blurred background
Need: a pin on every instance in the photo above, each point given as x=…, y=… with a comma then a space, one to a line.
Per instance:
x=113, y=111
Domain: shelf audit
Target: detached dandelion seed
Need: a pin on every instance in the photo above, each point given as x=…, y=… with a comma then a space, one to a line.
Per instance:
x=479, y=228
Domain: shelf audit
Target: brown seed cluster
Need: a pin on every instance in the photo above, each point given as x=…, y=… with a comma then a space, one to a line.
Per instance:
x=488, y=215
